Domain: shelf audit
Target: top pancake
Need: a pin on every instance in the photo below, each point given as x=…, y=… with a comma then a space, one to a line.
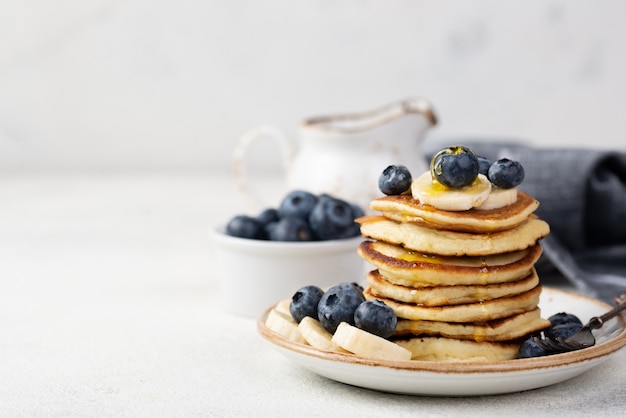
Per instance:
x=404, y=208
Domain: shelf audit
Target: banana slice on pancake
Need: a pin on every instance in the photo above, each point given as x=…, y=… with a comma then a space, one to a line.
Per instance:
x=499, y=198
x=431, y=192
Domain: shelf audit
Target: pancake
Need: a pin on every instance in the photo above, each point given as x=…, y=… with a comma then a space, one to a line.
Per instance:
x=404, y=208
x=409, y=268
x=452, y=243
x=448, y=295
x=448, y=349
x=472, y=312
x=505, y=329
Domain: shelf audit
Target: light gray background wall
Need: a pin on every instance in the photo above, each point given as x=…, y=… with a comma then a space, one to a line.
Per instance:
x=145, y=84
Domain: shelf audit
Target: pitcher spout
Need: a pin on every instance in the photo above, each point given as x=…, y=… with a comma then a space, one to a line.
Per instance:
x=422, y=107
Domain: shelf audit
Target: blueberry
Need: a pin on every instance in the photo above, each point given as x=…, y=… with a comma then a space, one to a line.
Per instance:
x=529, y=349
x=564, y=318
x=338, y=305
x=395, y=180
x=268, y=216
x=375, y=317
x=244, y=226
x=290, y=229
x=333, y=218
x=455, y=166
x=357, y=210
x=355, y=284
x=506, y=173
x=483, y=165
x=269, y=229
x=562, y=330
x=297, y=203
x=304, y=302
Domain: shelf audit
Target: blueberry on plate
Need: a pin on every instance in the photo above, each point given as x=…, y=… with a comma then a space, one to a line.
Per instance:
x=290, y=229
x=298, y=203
x=564, y=331
x=338, y=304
x=455, y=166
x=483, y=165
x=304, y=302
x=375, y=317
x=244, y=226
x=564, y=318
x=529, y=349
x=506, y=173
x=333, y=218
x=395, y=180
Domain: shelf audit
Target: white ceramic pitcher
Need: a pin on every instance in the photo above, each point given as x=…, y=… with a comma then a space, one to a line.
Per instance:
x=344, y=154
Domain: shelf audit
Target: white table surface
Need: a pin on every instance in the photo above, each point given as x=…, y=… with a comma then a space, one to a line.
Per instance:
x=109, y=306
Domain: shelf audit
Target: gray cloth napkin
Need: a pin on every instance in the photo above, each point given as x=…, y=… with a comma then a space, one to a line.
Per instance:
x=582, y=195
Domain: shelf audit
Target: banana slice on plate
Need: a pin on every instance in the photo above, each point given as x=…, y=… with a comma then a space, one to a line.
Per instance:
x=283, y=306
x=365, y=344
x=431, y=192
x=284, y=326
x=315, y=334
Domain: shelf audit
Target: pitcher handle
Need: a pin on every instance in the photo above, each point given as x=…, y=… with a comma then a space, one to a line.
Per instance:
x=240, y=156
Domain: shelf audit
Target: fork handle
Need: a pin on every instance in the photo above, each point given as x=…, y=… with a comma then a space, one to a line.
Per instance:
x=597, y=321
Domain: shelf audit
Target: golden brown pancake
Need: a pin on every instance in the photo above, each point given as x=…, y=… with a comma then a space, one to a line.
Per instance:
x=415, y=269
x=448, y=349
x=472, y=312
x=448, y=295
x=510, y=328
x=452, y=243
x=404, y=208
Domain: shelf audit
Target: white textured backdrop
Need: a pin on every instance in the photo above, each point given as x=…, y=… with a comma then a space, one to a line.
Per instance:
x=146, y=84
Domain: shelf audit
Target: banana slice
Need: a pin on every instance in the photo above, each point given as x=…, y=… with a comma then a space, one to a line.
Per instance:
x=284, y=326
x=314, y=333
x=433, y=193
x=499, y=198
x=364, y=344
x=283, y=306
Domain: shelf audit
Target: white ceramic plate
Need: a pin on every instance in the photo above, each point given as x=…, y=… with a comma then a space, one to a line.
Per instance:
x=464, y=378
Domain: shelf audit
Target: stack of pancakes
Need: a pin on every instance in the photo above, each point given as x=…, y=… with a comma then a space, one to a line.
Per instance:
x=463, y=284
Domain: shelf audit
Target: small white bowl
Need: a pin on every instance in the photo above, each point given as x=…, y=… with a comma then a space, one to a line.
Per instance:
x=254, y=274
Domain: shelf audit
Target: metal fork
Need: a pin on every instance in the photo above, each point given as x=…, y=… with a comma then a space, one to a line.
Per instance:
x=583, y=338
